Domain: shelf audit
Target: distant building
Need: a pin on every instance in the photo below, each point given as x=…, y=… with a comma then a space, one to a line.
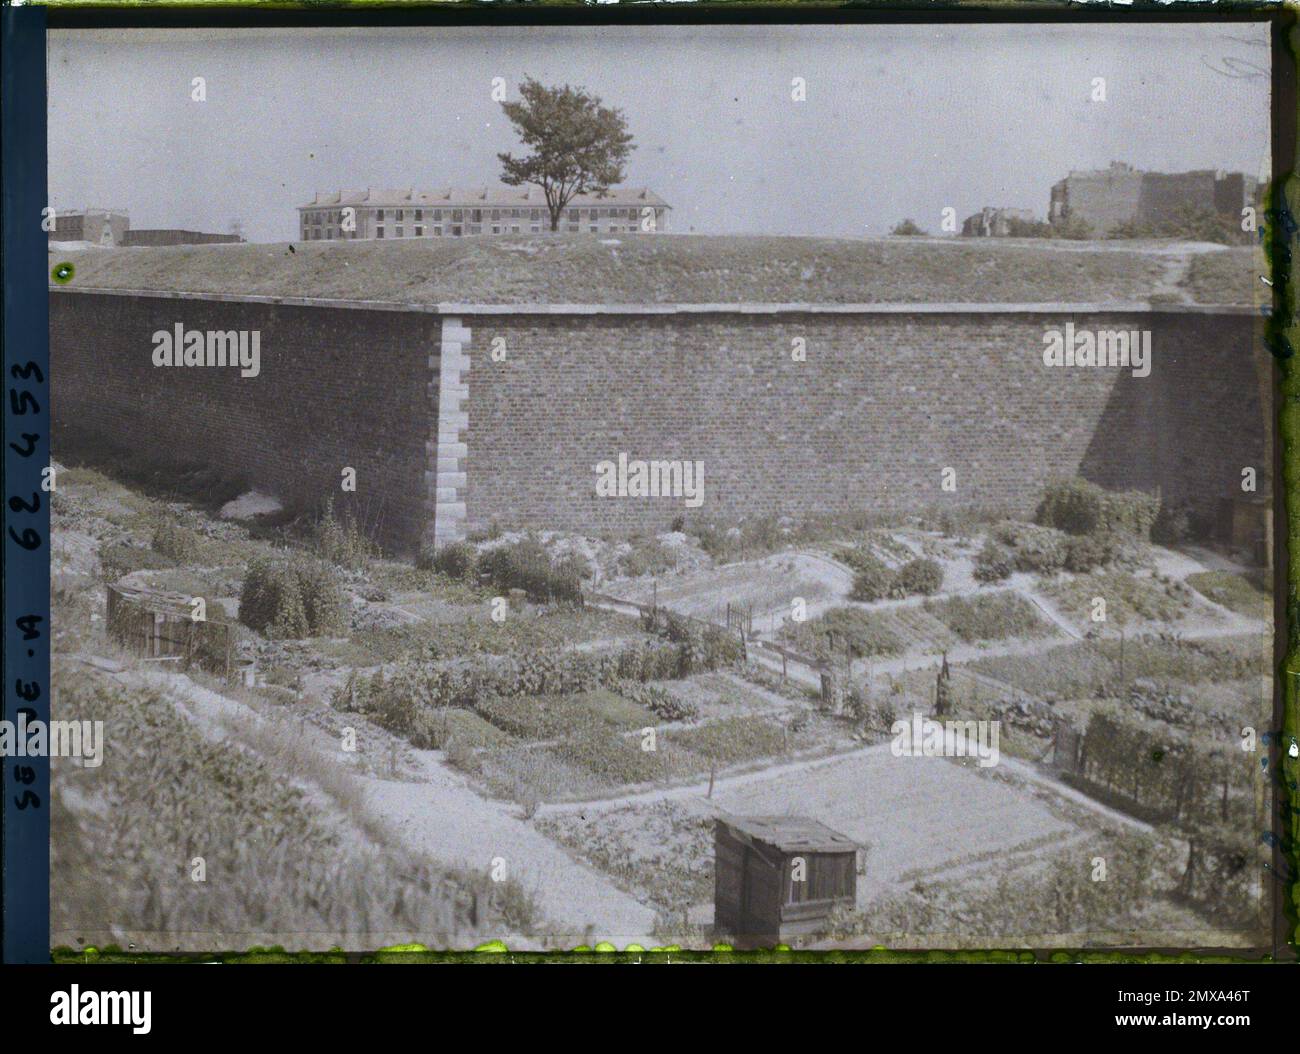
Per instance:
x=456, y=212
x=994, y=223
x=1108, y=198
x=175, y=236
x=105, y=227
x=111, y=228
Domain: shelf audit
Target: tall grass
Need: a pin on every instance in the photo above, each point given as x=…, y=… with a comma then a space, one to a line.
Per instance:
x=126, y=837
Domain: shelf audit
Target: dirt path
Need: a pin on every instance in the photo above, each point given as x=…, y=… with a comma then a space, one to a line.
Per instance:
x=444, y=817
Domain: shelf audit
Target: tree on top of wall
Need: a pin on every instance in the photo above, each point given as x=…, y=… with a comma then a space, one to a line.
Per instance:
x=578, y=146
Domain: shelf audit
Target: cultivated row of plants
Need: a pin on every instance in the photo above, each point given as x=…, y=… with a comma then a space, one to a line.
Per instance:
x=1078, y=527
x=407, y=699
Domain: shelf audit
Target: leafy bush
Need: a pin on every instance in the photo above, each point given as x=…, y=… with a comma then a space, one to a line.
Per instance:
x=176, y=542
x=1079, y=507
x=1085, y=552
x=291, y=598
x=994, y=562
x=872, y=580
x=907, y=229
x=1072, y=505
x=457, y=560
x=526, y=565
x=922, y=575
x=1129, y=512
x=1032, y=548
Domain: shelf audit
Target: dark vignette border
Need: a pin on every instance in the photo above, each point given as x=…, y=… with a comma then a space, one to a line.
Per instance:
x=25, y=782
x=25, y=832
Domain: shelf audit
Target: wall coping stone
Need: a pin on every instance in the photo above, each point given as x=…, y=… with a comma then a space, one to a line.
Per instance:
x=1040, y=308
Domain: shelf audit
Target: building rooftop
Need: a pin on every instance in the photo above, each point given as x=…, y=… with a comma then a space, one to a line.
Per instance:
x=690, y=269
x=477, y=197
x=791, y=833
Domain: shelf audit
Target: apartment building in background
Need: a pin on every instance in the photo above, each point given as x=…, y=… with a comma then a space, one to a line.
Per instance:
x=456, y=212
x=1110, y=197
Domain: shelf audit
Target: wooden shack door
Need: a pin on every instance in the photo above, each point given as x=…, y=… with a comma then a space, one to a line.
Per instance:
x=746, y=890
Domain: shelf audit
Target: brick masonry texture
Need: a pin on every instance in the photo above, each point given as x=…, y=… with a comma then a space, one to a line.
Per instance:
x=882, y=404
x=337, y=388
x=880, y=407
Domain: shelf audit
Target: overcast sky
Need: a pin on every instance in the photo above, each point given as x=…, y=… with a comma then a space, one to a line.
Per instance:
x=899, y=121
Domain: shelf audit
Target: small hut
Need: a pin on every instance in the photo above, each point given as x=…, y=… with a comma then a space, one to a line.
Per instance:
x=158, y=625
x=778, y=878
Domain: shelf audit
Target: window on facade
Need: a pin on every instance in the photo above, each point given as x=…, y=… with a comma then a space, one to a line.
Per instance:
x=496, y=228
x=594, y=228
x=398, y=232
x=437, y=232
x=419, y=214
x=379, y=232
x=536, y=228
x=401, y=215
x=475, y=228
x=573, y=227
x=379, y=215
x=455, y=231
x=419, y=232
x=535, y=214
x=437, y=215
x=477, y=216
x=456, y=216
x=514, y=228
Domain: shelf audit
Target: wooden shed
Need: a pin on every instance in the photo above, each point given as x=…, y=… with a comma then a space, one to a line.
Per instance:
x=778, y=878
x=157, y=624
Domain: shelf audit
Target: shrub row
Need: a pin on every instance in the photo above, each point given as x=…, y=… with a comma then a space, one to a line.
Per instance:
x=292, y=597
x=524, y=564
x=873, y=580
x=1045, y=549
x=1079, y=507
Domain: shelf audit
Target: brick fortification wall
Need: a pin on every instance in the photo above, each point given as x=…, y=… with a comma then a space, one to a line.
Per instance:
x=880, y=407
x=337, y=388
